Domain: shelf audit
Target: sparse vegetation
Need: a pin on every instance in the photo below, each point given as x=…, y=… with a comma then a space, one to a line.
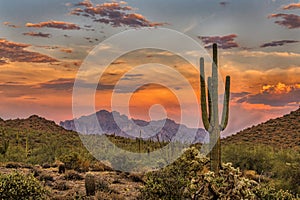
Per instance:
x=19, y=186
x=273, y=165
x=188, y=178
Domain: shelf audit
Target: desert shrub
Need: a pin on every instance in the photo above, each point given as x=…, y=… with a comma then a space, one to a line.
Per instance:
x=102, y=185
x=70, y=160
x=20, y=186
x=73, y=175
x=188, y=178
x=282, y=165
x=174, y=181
x=13, y=165
x=269, y=192
x=61, y=186
x=46, y=177
x=256, y=158
x=122, y=162
x=76, y=161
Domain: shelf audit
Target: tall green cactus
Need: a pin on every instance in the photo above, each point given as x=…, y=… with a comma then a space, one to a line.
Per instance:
x=210, y=116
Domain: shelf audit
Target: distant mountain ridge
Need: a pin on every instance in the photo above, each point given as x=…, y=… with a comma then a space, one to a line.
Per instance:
x=165, y=130
x=282, y=132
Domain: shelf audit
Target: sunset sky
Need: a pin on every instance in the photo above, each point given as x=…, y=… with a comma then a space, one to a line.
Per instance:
x=43, y=44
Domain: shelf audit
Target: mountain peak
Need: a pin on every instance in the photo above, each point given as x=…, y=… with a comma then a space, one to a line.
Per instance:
x=121, y=125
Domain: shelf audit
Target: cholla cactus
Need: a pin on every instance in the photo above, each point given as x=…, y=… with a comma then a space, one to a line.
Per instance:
x=210, y=118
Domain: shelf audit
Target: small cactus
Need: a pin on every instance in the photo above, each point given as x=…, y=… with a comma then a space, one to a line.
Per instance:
x=61, y=169
x=90, y=185
x=5, y=144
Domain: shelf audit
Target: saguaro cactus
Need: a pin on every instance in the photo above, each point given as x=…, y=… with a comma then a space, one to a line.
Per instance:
x=210, y=117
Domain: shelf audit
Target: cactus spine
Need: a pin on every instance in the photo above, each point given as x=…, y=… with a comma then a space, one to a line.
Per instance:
x=210, y=116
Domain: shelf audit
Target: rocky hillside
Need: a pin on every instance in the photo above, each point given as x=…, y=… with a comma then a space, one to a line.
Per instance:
x=282, y=132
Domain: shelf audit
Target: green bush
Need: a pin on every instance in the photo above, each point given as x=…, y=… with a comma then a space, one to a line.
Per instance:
x=188, y=178
x=175, y=181
x=19, y=186
x=282, y=165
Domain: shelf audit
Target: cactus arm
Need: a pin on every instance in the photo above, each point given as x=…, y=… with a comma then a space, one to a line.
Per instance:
x=225, y=112
x=203, y=96
x=209, y=90
x=214, y=93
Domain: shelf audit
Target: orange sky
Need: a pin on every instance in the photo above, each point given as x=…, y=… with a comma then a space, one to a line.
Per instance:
x=40, y=58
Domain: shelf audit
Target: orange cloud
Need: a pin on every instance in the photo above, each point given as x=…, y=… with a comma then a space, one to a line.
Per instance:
x=291, y=6
x=55, y=24
x=9, y=24
x=15, y=52
x=274, y=95
x=66, y=50
x=279, y=88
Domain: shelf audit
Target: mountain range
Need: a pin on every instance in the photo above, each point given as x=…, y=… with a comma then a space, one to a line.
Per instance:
x=113, y=123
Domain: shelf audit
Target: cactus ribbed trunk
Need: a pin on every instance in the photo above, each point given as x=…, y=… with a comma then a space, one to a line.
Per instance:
x=210, y=116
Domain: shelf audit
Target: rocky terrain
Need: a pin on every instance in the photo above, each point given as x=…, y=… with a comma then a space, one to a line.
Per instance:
x=71, y=184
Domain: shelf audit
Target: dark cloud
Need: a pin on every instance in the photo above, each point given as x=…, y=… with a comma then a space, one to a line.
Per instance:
x=278, y=43
x=55, y=24
x=115, y=13
x=15, y=52
x=3, y=62
x=39, y=34
x=134, y=75
x=224, y=42
x=290, y=21
x=234, y=95
x=68, y=84
x=58, y=84
x=292, y=6
x=224, y=3
x=274, y=95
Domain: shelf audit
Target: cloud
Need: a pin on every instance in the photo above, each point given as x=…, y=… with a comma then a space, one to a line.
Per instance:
x=58, y=84
x=278, y=43
x=224, y=3
x=291, y=6
x=15, y=52
x=224, y=42
x=3, y=62
x=234, y=95
x=276, y=95
x=290, y=21
x=9, y=24
x=67, y=50
x=115, y=13
x=39, y=34
x=55, y=24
